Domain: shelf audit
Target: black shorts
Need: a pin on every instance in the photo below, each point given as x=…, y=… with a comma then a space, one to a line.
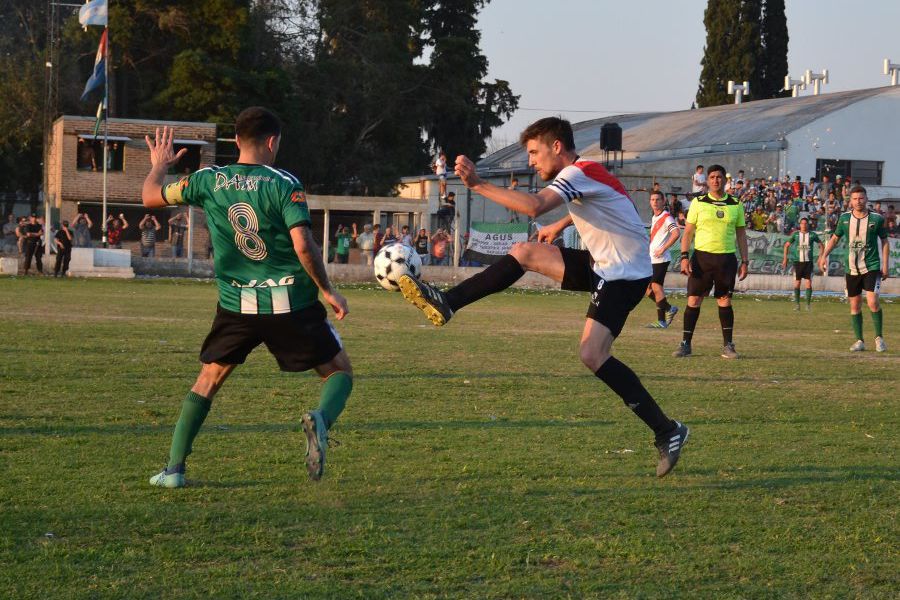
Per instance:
x=659, y=272
x=870, y=282
x=611, y=301
x=710, y=271
x=803, y=270
x=299, y=340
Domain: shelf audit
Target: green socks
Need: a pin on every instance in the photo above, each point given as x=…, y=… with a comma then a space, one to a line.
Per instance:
x=193, y=412
x=876, y=321
x=335, y=392
x=808, y=296
x=797, y=295
x=856, y=321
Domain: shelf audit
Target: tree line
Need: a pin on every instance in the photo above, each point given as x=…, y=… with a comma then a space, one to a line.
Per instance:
x=368, y=89
x=746, y=40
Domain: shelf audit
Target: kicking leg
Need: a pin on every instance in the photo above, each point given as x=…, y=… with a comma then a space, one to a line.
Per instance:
x=439, y=306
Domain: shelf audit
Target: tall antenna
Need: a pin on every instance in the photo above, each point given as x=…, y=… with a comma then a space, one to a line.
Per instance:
x=891, y=69
x=795, y=85
x=816, y=80
x=739, y=91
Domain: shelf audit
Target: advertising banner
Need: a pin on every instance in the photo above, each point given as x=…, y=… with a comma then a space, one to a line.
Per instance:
x=488, y=242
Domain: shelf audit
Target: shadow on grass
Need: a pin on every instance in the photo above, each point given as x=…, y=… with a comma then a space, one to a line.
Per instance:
x=74, y=430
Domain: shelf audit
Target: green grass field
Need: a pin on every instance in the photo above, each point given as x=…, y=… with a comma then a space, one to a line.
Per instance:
x=480, y=460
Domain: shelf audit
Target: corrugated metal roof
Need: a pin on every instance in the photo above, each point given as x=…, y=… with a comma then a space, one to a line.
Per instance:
x=762, y=121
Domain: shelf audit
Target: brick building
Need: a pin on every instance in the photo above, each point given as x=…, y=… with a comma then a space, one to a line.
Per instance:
x=75, y=172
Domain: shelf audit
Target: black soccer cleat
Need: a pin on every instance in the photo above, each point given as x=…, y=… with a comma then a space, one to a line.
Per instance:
x=669, y=447
x=426, y=298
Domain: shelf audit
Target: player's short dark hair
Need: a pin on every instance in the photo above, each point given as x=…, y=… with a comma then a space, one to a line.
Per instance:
x=804, y=219
x=548, y=130
x=858, y=189
x=257, y=124
x=713, y=168
x=657, y=193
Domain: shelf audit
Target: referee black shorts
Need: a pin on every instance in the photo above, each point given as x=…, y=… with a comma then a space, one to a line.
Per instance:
x=803, y=270
x=298, y=340
x=717, y=272
x=611, y=301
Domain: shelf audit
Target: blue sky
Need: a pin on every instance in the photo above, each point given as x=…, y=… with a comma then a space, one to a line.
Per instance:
x=590, y=58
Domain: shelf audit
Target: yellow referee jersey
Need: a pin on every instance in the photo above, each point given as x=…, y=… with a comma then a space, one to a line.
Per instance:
x=716, y=221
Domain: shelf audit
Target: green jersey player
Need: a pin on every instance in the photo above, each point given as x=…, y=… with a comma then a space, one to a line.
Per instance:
x=269, y=273
x=804, y=257
x=867, y=262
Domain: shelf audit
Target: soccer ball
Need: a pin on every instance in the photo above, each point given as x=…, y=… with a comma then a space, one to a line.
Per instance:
x=395, y=260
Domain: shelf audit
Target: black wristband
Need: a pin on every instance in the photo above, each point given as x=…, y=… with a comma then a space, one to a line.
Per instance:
x=685, y=256
x=745, y=262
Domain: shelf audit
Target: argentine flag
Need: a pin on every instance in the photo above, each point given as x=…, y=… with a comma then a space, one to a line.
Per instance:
x=98, y=77
x=93, y=13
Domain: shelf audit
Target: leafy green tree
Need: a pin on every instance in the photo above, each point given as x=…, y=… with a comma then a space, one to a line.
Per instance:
x=773, y=62
x=463, y=109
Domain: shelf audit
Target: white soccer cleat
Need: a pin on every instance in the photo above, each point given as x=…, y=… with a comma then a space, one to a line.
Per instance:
x=880, y=346
x=859, y=346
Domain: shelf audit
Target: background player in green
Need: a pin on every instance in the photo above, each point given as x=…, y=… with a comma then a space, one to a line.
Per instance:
x=269, y=272
x=804, y=259
x=715, y=223
x=867, y=263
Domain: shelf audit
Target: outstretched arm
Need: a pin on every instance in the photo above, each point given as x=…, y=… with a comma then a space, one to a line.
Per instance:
x=533, y=205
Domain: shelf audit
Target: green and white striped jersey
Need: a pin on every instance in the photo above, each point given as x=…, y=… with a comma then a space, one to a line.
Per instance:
x=250, y=210
x=864, y=249
x=802, y=249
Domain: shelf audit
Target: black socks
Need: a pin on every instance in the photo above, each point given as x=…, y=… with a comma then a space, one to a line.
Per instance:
x=495, y=278
x=691, y=314
x=626, y=384
x=726, y=318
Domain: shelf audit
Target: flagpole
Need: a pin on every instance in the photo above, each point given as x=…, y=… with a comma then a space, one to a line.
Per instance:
x=105, y=132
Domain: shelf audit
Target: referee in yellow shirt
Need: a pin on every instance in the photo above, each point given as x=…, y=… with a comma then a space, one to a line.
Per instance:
x=716, y=219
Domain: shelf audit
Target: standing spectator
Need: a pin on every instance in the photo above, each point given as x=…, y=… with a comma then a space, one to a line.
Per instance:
x=366, y=242
x=810, y=189
x=698, y=181
x=877, y=208
x=797, y=187
x=378, y=238
x=791, y=215
x=758, y=219
x=148, y=227
x=21, y=235
x=177, y=230
x=9, y=234
x=892, y=219
x=389, y=237
x=421, y=245
x=447, y=211
x=32, y=244
x=114, y=228
x=63, y=250
x=440, y=169
x=822, y=189
x=342, y=251
x=439, y=242
x=716, y=225
x=868, y=263
x=845, y=194
x=405, y=236
x=839, y=186
x=81, y=231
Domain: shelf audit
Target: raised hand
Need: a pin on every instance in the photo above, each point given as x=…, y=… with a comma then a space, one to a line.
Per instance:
x=162, y=152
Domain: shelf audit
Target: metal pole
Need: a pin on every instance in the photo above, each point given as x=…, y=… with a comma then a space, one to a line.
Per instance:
x=190, y=248
x=325, y=237
x=105, y=131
